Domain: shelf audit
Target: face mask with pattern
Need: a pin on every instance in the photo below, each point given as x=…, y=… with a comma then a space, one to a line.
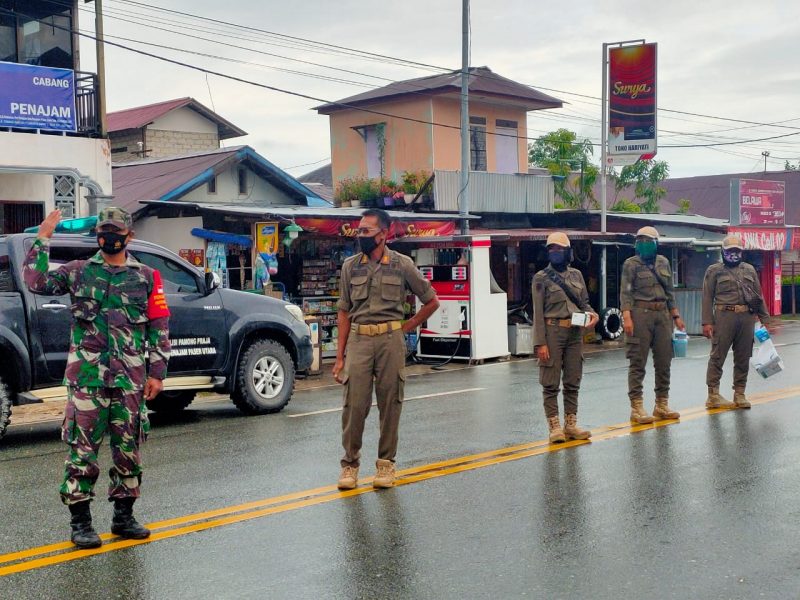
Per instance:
x=111, y=242
x=731, y=257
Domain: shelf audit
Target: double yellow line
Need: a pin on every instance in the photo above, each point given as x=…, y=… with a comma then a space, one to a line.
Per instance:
x=42, y=556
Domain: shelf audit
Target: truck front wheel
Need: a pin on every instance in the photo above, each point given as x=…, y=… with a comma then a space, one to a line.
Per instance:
x=264, y=378
x=5, y=408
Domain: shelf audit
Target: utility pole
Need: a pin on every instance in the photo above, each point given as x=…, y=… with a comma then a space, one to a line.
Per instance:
x=101, y=66
x=765, y=154
x=463, y=205
x=603, y=180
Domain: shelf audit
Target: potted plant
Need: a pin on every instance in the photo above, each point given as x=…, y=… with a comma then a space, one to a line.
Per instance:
x=410, y=186
x=344, y=192
x=365, y=192
x=386, y=193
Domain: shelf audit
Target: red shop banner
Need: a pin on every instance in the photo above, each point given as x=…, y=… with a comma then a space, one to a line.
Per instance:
x=757, y=202
x=349, y=228
x=759, y=238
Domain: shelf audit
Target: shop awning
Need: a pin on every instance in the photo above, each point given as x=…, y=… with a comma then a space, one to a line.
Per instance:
x=220, y=236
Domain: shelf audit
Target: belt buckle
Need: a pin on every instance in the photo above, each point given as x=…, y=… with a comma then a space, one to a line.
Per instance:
x=373, y=330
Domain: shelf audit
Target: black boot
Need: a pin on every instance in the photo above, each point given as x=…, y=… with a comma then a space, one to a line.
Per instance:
x=124, y=524
x=83, y=534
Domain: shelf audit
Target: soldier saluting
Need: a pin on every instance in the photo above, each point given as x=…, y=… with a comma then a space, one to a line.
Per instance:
x=732, y=300
x=558, y=292
x=119, y=312
x=648, y=311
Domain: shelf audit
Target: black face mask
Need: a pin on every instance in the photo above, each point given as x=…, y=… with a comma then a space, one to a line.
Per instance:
x=110, y=242
x=559, y=259
x=731, y=258
x=367, y=244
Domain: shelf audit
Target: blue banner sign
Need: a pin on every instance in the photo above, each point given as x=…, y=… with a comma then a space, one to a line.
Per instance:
x=37, y=97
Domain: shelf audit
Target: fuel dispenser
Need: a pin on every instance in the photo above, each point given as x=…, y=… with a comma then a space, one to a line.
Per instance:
x=471, y=321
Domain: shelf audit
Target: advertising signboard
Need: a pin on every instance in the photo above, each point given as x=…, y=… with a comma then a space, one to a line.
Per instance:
x=34, y=97
x=267, y=238
x=631, y=103
x=758, y=203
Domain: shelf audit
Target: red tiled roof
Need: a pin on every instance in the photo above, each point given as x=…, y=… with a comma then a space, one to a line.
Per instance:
x=482, y=82
x=140, y=116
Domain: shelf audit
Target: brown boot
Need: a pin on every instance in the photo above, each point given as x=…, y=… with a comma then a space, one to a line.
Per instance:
x=716, y=400
x=638, y=414
x=384, y=477
x=556, y=433
x=663, y=411
x=739, y=399
x=348, y=480
x=572, y=431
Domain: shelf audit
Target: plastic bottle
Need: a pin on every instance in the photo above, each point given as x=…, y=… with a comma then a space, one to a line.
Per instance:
x=761, y=333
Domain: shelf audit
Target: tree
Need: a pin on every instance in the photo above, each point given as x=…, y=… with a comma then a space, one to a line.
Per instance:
x=790, y=167
x=646, y=177
x=569, y=161
x=684, y=206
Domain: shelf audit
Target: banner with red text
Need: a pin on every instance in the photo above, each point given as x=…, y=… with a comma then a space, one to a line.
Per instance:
x=349, y=228
x=760, y=238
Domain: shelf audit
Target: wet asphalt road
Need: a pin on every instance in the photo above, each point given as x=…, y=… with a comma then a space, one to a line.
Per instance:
x=707, y=508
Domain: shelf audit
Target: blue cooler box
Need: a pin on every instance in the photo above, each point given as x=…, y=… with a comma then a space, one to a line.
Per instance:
x=680, y=343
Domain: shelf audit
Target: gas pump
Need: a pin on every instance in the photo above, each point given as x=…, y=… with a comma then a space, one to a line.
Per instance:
x=471, y=323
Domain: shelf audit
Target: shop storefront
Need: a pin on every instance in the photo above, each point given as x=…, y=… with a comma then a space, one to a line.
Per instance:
x=763, y=249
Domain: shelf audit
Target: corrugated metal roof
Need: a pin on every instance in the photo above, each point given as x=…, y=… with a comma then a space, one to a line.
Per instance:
x=140, y=116
x=482, y=82
x=495, y=192
x=152, y=179
x=170, y=178
x=291, y=212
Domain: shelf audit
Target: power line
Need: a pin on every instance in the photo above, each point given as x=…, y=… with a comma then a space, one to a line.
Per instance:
x=424, y=65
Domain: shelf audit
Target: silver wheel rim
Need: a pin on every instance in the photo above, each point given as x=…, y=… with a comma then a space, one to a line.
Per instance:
x=268, y=377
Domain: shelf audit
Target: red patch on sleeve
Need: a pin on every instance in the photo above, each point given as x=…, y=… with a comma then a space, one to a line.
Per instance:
x=157, y=302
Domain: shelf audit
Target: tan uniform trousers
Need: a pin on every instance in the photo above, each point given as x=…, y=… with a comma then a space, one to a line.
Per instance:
x=566, y=356
x=731, y=329
x=380, y=359
x=651, y=329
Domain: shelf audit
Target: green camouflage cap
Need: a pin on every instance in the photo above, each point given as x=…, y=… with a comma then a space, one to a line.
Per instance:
x=115, y=216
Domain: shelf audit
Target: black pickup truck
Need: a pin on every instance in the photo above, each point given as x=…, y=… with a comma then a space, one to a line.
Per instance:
x=247, y=345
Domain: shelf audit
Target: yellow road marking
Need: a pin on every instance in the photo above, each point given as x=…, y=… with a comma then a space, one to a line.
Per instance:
x=261, y=508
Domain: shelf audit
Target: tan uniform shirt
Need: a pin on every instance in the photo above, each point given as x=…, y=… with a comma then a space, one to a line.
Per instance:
x=374, y=292
x=638, y=283
x=551, y=302
x=725, y=285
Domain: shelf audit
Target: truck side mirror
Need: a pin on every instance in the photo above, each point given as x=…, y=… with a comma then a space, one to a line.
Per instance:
x=212, y=282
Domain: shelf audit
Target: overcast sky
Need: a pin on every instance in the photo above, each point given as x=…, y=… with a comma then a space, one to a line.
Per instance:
x=716, y=57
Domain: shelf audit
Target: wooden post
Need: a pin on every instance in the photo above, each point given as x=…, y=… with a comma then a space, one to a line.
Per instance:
x=794, y=290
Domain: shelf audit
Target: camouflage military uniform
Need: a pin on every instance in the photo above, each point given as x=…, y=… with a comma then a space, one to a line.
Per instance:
x=119, y=315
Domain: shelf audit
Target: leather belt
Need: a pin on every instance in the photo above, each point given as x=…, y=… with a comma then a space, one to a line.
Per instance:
x=739, y=308
x=378, y=328
x=559, y=322
x=650, y=305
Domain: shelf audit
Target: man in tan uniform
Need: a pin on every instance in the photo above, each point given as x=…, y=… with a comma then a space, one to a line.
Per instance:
x=371, y=342
x=731, y=297
x=647, y=303
x=558, y=292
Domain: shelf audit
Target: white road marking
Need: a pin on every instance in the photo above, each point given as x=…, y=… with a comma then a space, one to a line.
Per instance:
x=437, y=395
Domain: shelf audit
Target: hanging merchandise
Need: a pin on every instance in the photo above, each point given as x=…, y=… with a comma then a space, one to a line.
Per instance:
x=217, y=261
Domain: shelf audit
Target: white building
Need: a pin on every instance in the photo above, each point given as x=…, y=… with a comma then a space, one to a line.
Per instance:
x=52, y=152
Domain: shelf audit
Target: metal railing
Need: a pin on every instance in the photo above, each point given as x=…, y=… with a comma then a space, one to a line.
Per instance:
x=87, y=104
